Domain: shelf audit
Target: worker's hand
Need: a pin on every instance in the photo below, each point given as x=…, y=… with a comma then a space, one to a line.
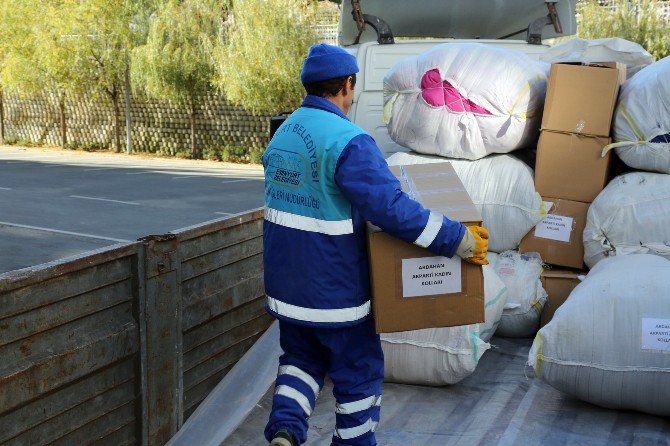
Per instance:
x=474, y=245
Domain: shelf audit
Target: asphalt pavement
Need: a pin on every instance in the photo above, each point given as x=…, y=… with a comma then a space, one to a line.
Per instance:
x=58, y=203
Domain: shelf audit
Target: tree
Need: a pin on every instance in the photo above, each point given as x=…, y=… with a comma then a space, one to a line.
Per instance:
x=38, y=54
x=639, y=21
x=260, y=55
x=103, y=36
x=176, y=62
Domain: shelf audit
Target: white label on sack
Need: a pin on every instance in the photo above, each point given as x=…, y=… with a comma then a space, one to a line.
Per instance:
x=428, y=276
x=555, y=227
x=656, y=334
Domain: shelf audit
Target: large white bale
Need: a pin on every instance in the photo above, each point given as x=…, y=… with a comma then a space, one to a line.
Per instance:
x=611, y=49
x=525, y=295
x=609, y=343
x=642, y=119
x=630, y=216
x=465, y=100
x=502, y=189
x=439, y=356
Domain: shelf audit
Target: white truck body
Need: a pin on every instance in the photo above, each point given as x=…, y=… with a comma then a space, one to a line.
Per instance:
x=430, y=23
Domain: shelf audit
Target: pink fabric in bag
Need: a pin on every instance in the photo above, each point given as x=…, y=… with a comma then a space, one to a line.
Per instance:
x=439, y=93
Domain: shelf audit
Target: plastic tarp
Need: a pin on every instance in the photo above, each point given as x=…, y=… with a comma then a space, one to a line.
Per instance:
x=501, y=187
x=641, y=127
x=235, y=396
x=465, y=100
x=499, y=404
x=611, y=49
x=630, y=216
x=609, y=343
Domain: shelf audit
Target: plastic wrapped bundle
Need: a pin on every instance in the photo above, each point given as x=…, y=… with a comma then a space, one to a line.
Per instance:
x=503, y=190
x=525, y=295
x=630, y=216
x=609, y=343
x=642, y=119
x=611, y=49
x=465, y=100
x=439, y=356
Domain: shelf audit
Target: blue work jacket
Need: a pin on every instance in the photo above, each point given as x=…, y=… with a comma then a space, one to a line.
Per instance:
x=324, y=178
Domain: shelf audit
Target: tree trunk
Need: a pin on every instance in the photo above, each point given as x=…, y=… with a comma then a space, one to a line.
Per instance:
x=194, y=150
x=117, y=126
x=129, y=122
x=63, y=124
x=2, y=118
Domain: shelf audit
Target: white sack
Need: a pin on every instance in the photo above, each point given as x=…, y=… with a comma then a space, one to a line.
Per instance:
x=642, y=119
x=612, y=49
x=525, y=295
x=508, y=85
x=503, y=190
x=630, y=216
x=602, y=346
x=439, y=356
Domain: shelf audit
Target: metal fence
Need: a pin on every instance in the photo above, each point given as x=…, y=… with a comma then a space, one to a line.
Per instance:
x=119, y=346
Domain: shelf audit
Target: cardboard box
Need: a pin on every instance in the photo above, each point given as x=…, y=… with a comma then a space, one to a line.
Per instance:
x=558, y=284
x=559, y=237
x=581, y=98
x=412, y=288
x=570, y=166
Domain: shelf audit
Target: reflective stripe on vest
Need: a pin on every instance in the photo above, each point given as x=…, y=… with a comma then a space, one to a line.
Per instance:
x=318, y=315
x=286, y=219
x=430, y=231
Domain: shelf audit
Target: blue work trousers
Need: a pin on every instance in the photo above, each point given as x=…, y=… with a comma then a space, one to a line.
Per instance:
x=352, y=356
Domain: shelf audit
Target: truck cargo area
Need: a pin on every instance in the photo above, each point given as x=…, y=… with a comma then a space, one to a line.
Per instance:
x=501, y=403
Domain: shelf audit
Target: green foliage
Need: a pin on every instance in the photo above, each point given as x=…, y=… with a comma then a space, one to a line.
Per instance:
x=255, y=156
x=11, y=140
x=39, y=53
x=103, y=35
x=232, y=154
x=260, y=57
x=73, y=145
x=183, y=154
x=176, y=62
x=639, y=21
x=86, y=147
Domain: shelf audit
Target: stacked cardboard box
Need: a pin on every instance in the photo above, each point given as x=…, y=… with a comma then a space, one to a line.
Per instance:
x=412, y=288
x=558, y=283
x=570, y=171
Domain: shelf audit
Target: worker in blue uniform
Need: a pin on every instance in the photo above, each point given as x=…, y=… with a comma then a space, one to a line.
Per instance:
x=324, y=178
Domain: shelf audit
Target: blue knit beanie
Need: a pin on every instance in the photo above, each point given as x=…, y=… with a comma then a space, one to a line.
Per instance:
x=327, y=62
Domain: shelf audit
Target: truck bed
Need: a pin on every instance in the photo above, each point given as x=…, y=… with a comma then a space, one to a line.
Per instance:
x=501, y=403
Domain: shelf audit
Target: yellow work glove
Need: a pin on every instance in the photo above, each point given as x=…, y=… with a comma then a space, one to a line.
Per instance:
x=474, y=245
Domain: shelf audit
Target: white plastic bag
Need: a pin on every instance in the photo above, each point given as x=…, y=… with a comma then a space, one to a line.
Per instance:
x=611, y=49
x=630, y=216
x=642, y=119
x=525, y=295
x=609, y=343
x=439, y=356
x=465, y=100
x=501, y=187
